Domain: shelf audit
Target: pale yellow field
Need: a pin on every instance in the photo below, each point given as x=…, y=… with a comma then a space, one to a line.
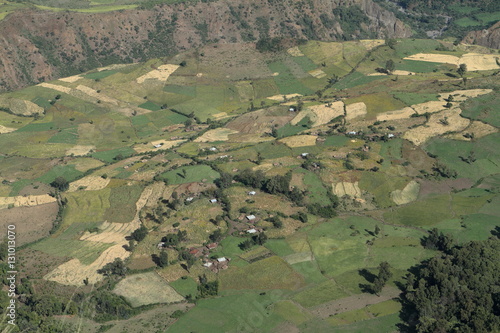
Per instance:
x=99, y=96
x=431, y=107
x=63, y=89
x=346, y=188
x=355, y=110
x=477, y=128
x=397, y=114
x=4, y=129
x=279, y=98
x=434, y=127
x=91, y=183
x=71, y=79
x=79, y=150
x=320, y=114
x=462, y=95
x=474, y=61
x=317, y=73
x=22, y=201
x=141, y=148
x=218, y=134
x=295, y=52
x=396, y=72
x=146, y=288
x=162, y=73
x=371, y=43
x=300, y=141
x=406, y=195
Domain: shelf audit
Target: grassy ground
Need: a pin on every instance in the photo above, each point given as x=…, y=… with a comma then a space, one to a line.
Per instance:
x=189, y=174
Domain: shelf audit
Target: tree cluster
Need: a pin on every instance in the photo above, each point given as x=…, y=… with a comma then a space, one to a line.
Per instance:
x=456, y=292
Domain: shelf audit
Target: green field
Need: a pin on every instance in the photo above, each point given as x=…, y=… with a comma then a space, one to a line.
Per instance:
x=189, y=174
x=110, y=155
x=122, y=203
x=483, y=108
x=286, y=81
x=410, y=98
x=100, y=75
x=355, y=79
x=86, y=252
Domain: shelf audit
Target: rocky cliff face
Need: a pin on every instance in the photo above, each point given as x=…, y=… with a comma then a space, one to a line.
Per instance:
x=489, y=37
x=43, y=45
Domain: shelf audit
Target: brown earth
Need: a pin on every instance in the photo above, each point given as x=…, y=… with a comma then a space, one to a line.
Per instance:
x=445, y=186
x=32, y=223
x=39, y=45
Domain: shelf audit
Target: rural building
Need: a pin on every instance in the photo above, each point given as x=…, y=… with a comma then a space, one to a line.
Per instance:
x=211, y=246
x=252, y=231
x=161, y=245
x=252, y=193
x=352, y=133
x=292, y=109
x=213, y=200
x=189, y=199
x=250, y=217
x=158, y=145
x=207, y=264
x=194, y=251
x=304, y=154
x=213, y=149
x=390, y=136
x=221, y=259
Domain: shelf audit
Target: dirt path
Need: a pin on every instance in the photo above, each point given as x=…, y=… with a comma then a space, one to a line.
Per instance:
x=354, y=302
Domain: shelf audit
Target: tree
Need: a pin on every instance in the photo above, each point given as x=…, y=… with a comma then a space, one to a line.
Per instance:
x=188, y=122
x=224, y=181
x=389, y=65
x=117, y=267
x=216, y=236
x=60, y=183
x=140, y=233
x=391, y=42
x=384, y=274
x=462, y=69
x=455, y=292
x=163, y=259
x=377, y=230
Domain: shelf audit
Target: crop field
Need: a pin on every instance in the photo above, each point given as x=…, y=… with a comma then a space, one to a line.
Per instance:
x=231, y=313
x=406, y=47
x=150, y=106
x=189, y=174
x=377, y=103
x=355, y=79
x=146, y=288
x=482, y=108
x=478, y=19
x=68, y=172
x=86, y=206
x=414, y=98
x=286, y=81
x=86, y=252
x=100, y=75
x=122, y=203
x=486, y=155
x=185, y=287
x=109, y=155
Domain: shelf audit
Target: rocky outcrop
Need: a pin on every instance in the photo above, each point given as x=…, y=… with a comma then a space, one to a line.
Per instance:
x=42, y=45
x=488, y=37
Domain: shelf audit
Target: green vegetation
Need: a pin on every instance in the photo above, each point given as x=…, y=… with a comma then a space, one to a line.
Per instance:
x=190, y=174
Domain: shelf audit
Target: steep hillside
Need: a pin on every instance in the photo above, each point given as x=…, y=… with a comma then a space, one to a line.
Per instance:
x=39, y=45
x=488, y=37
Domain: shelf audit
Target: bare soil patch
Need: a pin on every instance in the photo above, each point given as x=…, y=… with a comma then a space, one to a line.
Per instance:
x=479, y=62
x=280, y=98
x=36, y=263
x=354, y=302
x=71, y=79
x=99, y=96
x=317, y=73
x=430, y=107
x=56, y=87
x=32, y=223
x=320, y=114
x=442, y=58
x=445, y=186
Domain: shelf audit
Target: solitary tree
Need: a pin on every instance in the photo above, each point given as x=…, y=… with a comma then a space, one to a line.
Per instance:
x=389, y=66
x=163, y=259
x=462, y=69
x=60, y=183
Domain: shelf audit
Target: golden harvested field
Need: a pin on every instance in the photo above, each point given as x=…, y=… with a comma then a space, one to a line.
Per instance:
x=477, y=128
x=162, y=73
x=70, y=79
x=300, y=141
x=280, y=98
x=371, y=43
x=30, y=200
x=320, y=114
x=346, y=188
x=355, y=110
x=89, y=183
x=474, y=61
x=4, y=129
x=146, y=288
x=436, y=127
x=406, y=195
x=295, y=52
x=397, y=114
x=218, y=134
x=57, y=87
x=79, y=150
